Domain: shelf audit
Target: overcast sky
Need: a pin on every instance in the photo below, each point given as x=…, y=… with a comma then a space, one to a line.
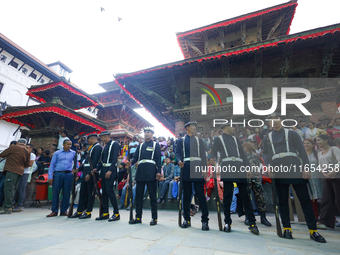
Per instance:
x=95, y=45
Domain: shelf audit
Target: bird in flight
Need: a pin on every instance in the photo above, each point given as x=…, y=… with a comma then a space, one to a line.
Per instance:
x=102, y=9
x=119, y=19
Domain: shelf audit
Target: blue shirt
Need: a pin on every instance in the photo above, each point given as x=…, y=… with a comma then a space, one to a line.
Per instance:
x=61, y=161
x=133, y=150
x=304, y=130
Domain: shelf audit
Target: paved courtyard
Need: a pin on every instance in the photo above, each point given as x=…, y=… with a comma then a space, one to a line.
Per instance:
x=30, y=232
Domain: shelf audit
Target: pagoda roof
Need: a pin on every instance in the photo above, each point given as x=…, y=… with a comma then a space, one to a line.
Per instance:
x=231, y=25
x=70, y=95
x=141, y=85
x=116, y=97
x=23, y=116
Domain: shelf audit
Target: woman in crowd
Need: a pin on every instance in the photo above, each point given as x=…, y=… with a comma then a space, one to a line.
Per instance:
x=40, y=152
x=316, y=176
x=313, y=132
x=329, y=161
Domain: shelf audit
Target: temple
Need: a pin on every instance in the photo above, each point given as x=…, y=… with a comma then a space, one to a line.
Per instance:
x=118, y=112
x=255, y=45
x=44, y=121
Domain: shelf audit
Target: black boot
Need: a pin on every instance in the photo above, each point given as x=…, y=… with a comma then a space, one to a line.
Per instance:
x=153, y=222
x=186, y=224
x=317, y=237
x=102, y=217
x=253, y=228
x=287, y=234
x=114, y=218
x=227, y=228
x=85, y=216
x=264, y=220
x=135, y=221
x=76, y=215
x=205, y=226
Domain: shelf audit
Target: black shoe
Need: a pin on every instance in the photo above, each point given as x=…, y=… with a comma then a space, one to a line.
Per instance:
x=163, y=202
x=128, y=208
x=135, y=221
x=227, y=228
x=153, y=222
x=264, y=220
x=114, y=218
x=101, y=217
x=253, y=228
x=76, y=215
x=246, y=222
x=287, y=234
x=85, y=216
x=205, y=226
x=186, y=224
x=317, y=237
x=120, y=207
x=159, y=201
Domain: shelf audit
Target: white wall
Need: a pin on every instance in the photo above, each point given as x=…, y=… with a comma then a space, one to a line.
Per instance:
x=14, y=93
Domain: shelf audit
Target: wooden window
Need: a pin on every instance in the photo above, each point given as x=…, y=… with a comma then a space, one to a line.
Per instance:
x=14, y=64
x=33, y=75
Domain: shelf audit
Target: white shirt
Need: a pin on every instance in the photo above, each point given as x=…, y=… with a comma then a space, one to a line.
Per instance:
x=61, y=141
x=27, y=170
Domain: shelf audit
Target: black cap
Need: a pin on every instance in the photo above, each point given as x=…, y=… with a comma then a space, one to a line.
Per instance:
x=225, y=125
x=90, y=135
x=149, y=129
x=274, y=115
x=190, y=123
x=105, y=133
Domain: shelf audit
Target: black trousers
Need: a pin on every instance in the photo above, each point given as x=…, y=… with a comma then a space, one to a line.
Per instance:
x=228, y=197
x=199, y=191
x=307, y=208
x=109, y=193
x=152, y=188
x=87, y=195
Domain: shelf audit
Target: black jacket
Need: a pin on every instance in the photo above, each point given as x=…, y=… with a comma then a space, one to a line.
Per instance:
x=147, y=171
x=115, y=149
x=94, y=153
x=191, y=168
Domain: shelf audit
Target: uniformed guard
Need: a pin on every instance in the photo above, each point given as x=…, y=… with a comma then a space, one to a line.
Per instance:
x=233, y=158
x=190, y=154
x=87, y=191
x=108, y=174
x=283, y=149
x=148, y=161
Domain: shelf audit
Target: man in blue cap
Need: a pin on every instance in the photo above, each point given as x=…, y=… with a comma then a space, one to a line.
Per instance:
x=190, y=154
x=108, y=174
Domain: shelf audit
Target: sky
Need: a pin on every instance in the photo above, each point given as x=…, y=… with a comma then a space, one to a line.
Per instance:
x=96, y=46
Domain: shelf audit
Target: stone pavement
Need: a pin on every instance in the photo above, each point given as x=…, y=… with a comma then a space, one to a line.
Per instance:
x=30, y=232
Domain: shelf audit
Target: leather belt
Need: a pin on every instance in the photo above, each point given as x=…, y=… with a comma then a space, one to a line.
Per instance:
x=192, y=159
x=284, y=154
x=146, y=161
x=232, y=159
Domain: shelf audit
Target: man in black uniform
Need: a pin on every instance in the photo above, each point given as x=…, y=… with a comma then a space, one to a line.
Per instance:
x=233, y=157
x=108, y=174
x=87, y=192
x=148, y=161
x=283, y=147
x=190, y=154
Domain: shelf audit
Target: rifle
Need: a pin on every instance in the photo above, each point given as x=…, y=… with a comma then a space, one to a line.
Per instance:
x=275, y=200
x=97, y=188
x=180, y=206
x=130, y=195
x=70, y=211
x=219, y=219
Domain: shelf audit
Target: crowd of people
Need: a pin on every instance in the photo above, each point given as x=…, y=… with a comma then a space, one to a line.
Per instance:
x=321, y=143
